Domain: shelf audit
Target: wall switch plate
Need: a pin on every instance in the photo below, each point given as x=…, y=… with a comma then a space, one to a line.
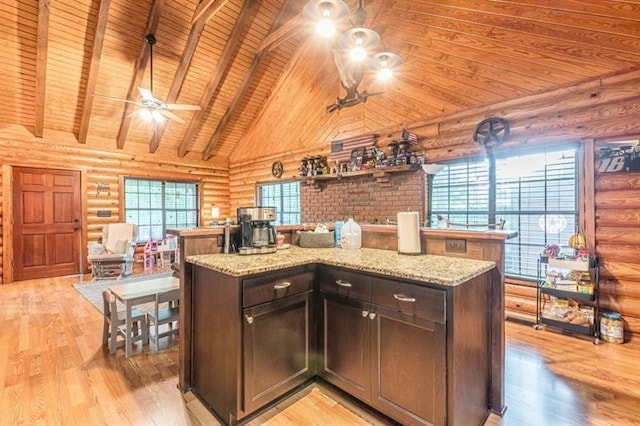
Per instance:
x=455, y=245
x=103, y=213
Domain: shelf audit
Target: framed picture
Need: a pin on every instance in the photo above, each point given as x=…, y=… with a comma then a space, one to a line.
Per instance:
x=357, y=156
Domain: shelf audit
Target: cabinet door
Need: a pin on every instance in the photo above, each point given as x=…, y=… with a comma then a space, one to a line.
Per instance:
x=346, y=350
x=409, y=367
x=277, y=338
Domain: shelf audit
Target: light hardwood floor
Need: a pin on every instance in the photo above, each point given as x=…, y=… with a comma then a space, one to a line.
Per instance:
x=53, y=370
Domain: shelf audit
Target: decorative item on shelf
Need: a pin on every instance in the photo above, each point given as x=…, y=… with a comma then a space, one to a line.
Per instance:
x=357, y=157
x=303, y=170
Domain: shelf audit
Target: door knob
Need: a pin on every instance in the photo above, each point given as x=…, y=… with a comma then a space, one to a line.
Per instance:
x=76, y=224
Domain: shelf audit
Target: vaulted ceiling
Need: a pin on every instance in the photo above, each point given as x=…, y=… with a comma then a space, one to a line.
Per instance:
x=251, y=65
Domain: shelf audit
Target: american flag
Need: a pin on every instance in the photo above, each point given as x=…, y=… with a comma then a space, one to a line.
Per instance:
x=408, y=136
x=341, y=149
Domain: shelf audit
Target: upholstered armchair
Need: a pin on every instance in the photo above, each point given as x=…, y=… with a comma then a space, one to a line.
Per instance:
x=113, y=257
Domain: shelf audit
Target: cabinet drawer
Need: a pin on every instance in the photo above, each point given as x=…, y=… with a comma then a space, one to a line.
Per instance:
x=275, y=286
x=345, y=283
x=423, y=302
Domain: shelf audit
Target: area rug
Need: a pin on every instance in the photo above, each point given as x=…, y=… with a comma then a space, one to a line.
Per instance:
x=92, y=290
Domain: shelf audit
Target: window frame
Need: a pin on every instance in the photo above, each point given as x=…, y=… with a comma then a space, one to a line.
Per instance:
x=123, y=208
x=494, y=213
x=280, y=210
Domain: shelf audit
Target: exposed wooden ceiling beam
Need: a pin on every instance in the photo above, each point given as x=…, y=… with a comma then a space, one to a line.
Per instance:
x=94, y=66
x=216, y=77
x=41, y=64
x=178, y=78
x=200, y=18
x=282, y=34
x=206, y=9
x=138, y=73
x=240, y=92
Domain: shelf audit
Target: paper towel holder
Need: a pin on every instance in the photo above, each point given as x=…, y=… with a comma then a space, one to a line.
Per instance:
x=433, y=168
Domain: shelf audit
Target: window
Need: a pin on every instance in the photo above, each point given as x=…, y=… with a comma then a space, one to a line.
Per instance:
x=285, y=197
x=155, y=205
x=534, y=192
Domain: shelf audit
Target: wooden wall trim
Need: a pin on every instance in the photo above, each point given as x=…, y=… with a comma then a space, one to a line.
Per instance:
x=7, y=224
x=587, y=195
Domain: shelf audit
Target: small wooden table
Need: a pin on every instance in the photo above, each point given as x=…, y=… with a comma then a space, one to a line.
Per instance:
x=136, y=293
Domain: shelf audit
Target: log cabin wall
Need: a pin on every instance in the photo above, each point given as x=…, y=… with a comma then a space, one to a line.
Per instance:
x=617, y=237
x=107, y=167
x=603, y=108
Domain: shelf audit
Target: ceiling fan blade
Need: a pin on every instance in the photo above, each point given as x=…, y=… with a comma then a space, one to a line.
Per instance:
x=171, y=115
x=145, y=93
x=133, y=113
x=183, y=107
x=113, y=98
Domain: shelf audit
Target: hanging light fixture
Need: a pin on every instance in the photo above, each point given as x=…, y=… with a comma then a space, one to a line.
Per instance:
x=359, y=40
x=326, y=14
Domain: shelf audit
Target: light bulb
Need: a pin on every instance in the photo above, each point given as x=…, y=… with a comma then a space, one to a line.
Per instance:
x=384, y=74
x=145, y=114
x=325, y=27
x=358, y=53
x=157, y=117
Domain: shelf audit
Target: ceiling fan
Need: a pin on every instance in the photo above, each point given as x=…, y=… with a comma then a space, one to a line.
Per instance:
x=150, y=107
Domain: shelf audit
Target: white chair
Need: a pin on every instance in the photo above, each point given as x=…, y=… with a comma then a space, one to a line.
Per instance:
x=115, y=324
x=166, y=311
x=113, y=258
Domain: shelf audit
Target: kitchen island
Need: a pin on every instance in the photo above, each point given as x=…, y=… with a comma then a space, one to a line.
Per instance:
x=407, y=335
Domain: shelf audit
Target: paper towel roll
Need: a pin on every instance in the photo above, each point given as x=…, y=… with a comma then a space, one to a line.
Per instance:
x=408, y=233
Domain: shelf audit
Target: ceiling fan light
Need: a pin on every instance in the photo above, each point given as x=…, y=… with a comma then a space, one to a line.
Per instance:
x=157, y=116
x=145, y=113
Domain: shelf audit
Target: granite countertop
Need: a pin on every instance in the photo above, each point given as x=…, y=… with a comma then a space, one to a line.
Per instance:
x=442, y=270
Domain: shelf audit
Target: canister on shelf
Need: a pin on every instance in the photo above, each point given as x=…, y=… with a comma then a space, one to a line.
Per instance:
x=612, y=327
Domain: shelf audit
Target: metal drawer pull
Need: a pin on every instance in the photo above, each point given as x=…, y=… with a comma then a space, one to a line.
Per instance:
x=249, y=319
x=281, y=285
x=403, y=298
x=343, y=283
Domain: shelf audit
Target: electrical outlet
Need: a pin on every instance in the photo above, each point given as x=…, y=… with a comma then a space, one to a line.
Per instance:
x=455, y=245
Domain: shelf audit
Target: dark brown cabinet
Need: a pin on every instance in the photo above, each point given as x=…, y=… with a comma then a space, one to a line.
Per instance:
x=252, y=338
x=384, y=342
x=277, y=344
x=417, y=352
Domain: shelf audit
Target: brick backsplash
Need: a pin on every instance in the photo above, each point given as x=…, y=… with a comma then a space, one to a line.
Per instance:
x=364, y=198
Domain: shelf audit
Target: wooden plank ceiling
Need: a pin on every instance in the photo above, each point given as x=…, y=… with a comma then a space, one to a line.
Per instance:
x=252, y=64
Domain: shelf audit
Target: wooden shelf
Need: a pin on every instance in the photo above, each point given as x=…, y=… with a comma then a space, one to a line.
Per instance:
x=377, y=173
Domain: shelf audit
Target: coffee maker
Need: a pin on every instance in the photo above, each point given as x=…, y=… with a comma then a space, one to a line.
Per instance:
x=257, y=232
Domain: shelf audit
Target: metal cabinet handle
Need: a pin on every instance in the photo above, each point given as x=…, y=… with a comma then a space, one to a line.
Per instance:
x=343, y=283
x=372, y=315
x=281, y=285
x=249, y=319
x=403, y=298
x=365, y=313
